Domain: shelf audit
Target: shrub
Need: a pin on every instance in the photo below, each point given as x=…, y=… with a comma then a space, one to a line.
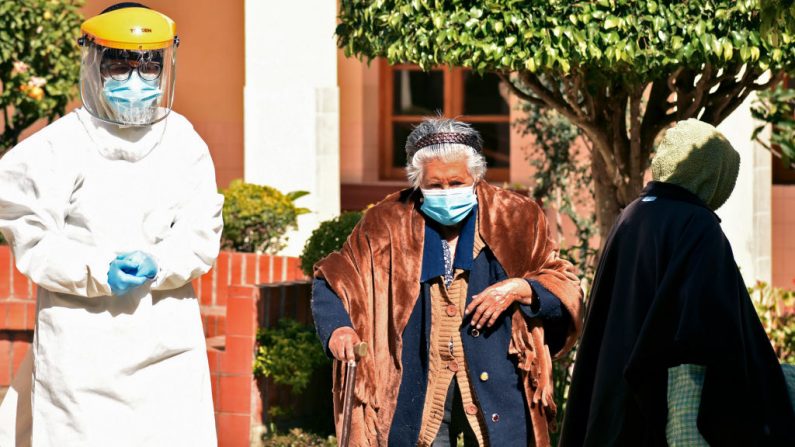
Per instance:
x=776, y=309
x=39, y=62
x=327, y=238
x=256, y=217
x=297, y=438
x=289, y=354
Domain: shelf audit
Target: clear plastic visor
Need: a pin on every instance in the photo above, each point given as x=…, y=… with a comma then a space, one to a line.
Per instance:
x=127, y=87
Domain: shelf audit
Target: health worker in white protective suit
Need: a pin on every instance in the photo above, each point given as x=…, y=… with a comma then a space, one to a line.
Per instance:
x=112, y=210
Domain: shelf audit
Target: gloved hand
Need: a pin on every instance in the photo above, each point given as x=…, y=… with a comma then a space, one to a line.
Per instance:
x=129, y=271
x=147, y=267
x=122, y=276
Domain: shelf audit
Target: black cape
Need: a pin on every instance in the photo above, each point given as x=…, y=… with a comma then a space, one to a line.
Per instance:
x=668, y=292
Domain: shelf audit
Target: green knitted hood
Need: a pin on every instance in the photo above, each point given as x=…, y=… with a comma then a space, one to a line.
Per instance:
x=697, y=157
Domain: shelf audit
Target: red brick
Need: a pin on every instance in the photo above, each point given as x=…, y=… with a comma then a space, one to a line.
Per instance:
x=241, y=316
x=251, y=268
x=222, y=284
x=265, y=272
x=21, y=289
x=221, y=325
x=278, y=273
x=5, y=362
x=237, y=268
x=197, y=288
x=206, y=294
x=31, y=312
x=216, y=386
x=236, y=394
x=238, y=358
x=293, y=270
x=299, y=274
x=214, y=360
x=16, y=318
x=233, y=430
x=19, y=349
x=5, y=272
x=208, y=322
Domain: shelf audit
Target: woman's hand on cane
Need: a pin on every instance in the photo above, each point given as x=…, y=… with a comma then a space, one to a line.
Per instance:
x=342, y=343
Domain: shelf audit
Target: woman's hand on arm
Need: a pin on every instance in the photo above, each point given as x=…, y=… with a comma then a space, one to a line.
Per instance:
x=342, y=342
x=489, y=304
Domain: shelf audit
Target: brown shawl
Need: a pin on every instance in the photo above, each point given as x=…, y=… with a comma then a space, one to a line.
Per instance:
x=376, y=274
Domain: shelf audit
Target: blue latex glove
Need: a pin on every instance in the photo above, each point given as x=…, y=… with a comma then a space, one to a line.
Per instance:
x=122, y=276
x=147, y=268
x=129, y=271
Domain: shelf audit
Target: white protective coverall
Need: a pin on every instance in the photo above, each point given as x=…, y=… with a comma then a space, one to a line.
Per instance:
x=108, y=370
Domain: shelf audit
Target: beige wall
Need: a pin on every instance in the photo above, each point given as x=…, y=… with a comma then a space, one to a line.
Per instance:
x=210, y=74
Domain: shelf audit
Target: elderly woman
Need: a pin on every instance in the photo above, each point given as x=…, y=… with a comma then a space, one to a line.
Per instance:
x=461, y=298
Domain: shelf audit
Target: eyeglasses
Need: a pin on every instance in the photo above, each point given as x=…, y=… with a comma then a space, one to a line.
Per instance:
x=121, y=70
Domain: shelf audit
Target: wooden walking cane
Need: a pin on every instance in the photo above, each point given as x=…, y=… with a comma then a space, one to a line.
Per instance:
x=359, y=351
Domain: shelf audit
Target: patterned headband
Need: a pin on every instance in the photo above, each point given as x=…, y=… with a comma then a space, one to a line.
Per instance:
x=448, y=138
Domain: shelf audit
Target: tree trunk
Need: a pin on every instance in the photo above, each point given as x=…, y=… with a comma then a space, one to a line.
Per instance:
x=607, y=204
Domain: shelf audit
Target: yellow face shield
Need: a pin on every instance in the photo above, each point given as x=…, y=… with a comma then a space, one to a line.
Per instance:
x=128, y=66
x=131, y=29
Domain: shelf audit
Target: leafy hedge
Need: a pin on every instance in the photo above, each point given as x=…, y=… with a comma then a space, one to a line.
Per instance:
x=327, y=238
x=289, y=353
x=776, y=309
x=297, y=438
x=257, y=217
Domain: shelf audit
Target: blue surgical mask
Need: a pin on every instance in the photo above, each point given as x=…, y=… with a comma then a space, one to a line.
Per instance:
x=448, y=206
x=131, y=98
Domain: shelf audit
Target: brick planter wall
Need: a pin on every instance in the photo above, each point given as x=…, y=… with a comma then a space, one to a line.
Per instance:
x=17, y=317
x=238, y=269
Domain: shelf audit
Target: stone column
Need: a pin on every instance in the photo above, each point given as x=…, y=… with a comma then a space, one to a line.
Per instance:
x=291, y=103
x=746, y=215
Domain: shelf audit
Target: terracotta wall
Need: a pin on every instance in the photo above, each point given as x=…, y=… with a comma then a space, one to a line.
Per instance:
x=783, y=218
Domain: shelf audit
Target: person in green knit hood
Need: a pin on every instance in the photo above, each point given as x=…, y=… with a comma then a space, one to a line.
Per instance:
x=668, y=295
x=695, y=156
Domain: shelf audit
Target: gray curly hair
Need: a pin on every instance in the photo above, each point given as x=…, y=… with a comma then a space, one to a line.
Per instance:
x=446, y=151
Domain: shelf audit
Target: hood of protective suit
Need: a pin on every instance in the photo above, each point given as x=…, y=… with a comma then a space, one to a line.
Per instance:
x=697, y=157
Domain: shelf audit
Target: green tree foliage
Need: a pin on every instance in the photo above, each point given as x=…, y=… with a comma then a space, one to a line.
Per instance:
x=327, y=238
x=776, y=109
x=39, y=62
x=289, y=354
x=621, y=70
x=257, y=217
x=778, y=16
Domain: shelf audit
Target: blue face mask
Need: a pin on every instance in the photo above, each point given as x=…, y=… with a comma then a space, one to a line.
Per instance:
x=448, y=206
x=131, y=99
